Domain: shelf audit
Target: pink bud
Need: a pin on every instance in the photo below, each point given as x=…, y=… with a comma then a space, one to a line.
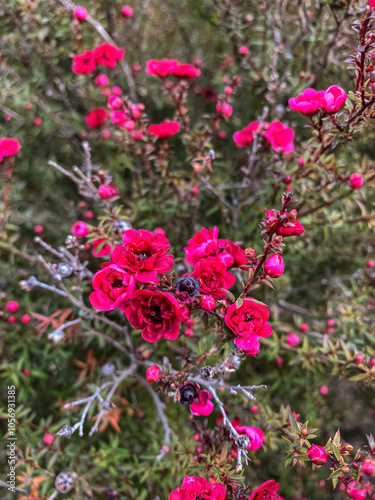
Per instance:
x=224, y=109
x=287, y=179
x=207, y=302
x=12, y=306
x=25, y=319
x=11, y=319
x=101, y=80
x=279, y=361
x=80, y=13
x=243, y=50
x=159, y=230
x=274, y=266
x=317, y=454
x=372, y=362
x=189, y=332
x=108, y=191
x=356, y=181
x=304, y=327
x=194, y=190
x=127, y=11
x=324, y=390
x=199, y=449
x=331, y=322
x=26, y=372
x=106, y=134
x=38, y=122
x=368, y=467
x=371, y=263
x=254, y=409
x=48, y=439
x=228, y=90
x=114, y=102
x=355, y=491
x=359, y=359
x=116, y=90
x=80, y=229
x=301, y=161
x=292, y=339
x=222, y=134
x=38, y=229
x=89, y=214
x=189, y=322
x=153, y=374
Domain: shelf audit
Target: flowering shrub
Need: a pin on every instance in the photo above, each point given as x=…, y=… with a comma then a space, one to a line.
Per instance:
x=187, y=254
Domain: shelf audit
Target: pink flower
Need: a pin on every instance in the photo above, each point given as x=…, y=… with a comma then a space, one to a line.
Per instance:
x=368, y=467
x=274, y=266
x=153, y=374
x=143, y=254
x=96, y=118
x=112, y=287
x=80, y=13
x=197, y=487
x=106, y=191
x=80, y=229
x=292, y=339
x=334, y=99
x=101, y=80
x=105, y=249
x=266, y=491
x=213, y=277
x=280, y=136
x=304, y=327
x=164, y=130
x=370, y=263
x=115, y=102
x=204, y=405
x=12, y=306
x=9, y=147
x=161, y=68
x=324, y=390
x=356, y=181
x=287, y=228
x=127, y=11
x=48, y=439
x=244, y=138
x=156, y=313
x=118, y=118
x=307, y=103
x=249, y=319
x=356, y=491
x=223, y=108
x=255, y=435
x=185, y=71
x=108, y=55
x=317, y=454
x=38, y=122
x=202, y=244
x=243, y=50
x=84, y=63
x=371, y=4
x=38, y=229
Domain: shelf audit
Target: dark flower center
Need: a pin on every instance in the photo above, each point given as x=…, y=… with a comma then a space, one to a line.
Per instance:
x=117, y=284
x=155, y=313
x=248, y=317
x=142, y=256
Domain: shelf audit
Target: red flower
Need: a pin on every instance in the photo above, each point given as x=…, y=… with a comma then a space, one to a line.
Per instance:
x=113, y=287
x=9, y=147
x=255, y=435
x=84, y=63
x=307, y=103
x=185, y=71
x=108, y=191
x=355, y=180
x=161, y=68
x=80, y=13
x=204, y=405
x=244, y=138
x=231, y=254
x=280, y=136
x=96, y=118
x=80, y=229
x=164, y=130
x=356, y=490
x=334, y=99
x=266, y=491
x=213, y=277
x=202, y=244
x=156, y=313
x=197, y=487
x=287, y=228
x=108, y=55
x=248, y=319
x=143, y=254
x=371, y=4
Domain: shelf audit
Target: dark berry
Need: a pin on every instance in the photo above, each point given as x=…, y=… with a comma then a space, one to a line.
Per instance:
x=188, y=284
x=188, y=394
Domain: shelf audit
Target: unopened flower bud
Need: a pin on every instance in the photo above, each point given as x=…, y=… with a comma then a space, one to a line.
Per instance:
x=345, y=469
x=317, y=454
x=292, y=215
x=274, y=266
x=153, y=374
x=368, y=467
x=250, y=253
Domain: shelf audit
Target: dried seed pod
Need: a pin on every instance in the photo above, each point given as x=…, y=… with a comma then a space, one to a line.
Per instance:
x=64, y=482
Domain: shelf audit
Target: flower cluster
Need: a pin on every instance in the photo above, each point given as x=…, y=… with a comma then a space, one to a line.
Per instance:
x=104, y=55
x=280, y=136
x=171, y=67
x=197, y=487
x=311, y=101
